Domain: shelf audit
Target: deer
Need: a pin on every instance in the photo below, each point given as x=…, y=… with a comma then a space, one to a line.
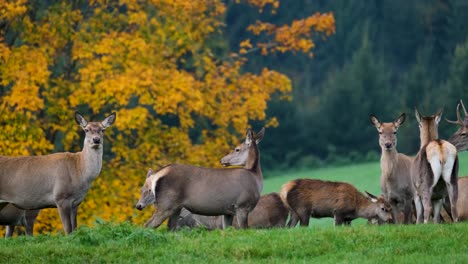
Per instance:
x=270, y=212
x=307, y=198
x=11, y=216
x=60, y=180
x=232, y=192
x=395, y=179
x=460, y=139
x=434, y=172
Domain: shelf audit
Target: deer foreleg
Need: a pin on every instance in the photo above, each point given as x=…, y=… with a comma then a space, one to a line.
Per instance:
x=419, y=209
x=65, y=212
x=437, y=207
x=242, y=217
x=227, y=221
x=172, y=224
x=9, y=231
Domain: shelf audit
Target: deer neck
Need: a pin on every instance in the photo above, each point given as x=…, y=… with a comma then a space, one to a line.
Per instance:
x=253, y=164
x=427, y=134
x=388, y=162
x=91, y=161
x=365, y=210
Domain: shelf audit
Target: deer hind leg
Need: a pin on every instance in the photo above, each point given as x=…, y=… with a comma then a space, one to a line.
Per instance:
x=427, y=205
x=242, y=217
x=408, y=212
x=304, y=217
x=419, y=209
x=9, y=231
x=293, y=220
x=437, y=207
x=453, y=197
x=227, y=221
x=450, y=176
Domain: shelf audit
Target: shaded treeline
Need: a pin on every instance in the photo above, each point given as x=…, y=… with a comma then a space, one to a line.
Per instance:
x=386, y=57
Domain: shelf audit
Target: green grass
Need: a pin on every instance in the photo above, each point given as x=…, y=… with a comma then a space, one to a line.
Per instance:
x=126, y=243
x=319, y=243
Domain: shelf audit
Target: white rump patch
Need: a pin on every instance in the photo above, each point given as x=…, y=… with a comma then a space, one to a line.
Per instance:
x=154, y=179
x=448, y=167
x=436, y=167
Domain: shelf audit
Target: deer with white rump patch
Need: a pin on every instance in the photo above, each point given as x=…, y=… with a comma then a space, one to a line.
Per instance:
x=207, y=191
x=59, y=180
x=395, y=180
x=434, y=172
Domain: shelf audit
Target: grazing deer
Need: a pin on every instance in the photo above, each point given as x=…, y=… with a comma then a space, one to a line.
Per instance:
x=207, y=191
x=57, y=180
x=460, y=138
x=395, y=180
x=316, y=198
x=11, y=216
x=434, y=171
x=270, y=212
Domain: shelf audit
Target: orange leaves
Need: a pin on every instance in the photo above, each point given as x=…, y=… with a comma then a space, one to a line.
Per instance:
x=11, y=9
x=294, y=37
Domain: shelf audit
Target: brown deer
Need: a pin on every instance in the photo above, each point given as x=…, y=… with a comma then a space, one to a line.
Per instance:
x=207, y=191
x=316, y=198
x=11, y=216
x=58, y=180
x=395, y=179
x=460, y=138
x=270, y=212
x=434, y=171
x=462, y=202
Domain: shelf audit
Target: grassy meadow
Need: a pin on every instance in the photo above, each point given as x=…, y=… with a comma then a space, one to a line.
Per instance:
x=320, y=242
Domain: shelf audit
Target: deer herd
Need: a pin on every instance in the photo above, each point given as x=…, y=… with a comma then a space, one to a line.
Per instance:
x=414, y=188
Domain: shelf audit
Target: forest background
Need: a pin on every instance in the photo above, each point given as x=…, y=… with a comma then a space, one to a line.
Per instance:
x=186, y=79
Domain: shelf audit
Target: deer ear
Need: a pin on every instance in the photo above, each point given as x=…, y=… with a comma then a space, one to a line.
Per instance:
x=259, y=135
x=374, y=120
x=249, y=137
x=418, y=115
x=150, y=171
x=400, y=120
x=108, y=121
x=438, y=116
x=80, y=120
x=372, y=197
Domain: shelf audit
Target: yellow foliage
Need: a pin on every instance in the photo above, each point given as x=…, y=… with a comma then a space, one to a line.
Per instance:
x=153, y=65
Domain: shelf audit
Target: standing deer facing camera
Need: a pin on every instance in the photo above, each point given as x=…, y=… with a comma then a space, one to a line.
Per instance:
x=207, y=191
x=58, y=180
x=434, y=171
x=395, y=180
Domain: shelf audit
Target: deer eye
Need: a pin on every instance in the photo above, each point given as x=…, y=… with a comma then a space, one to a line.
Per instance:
x=86, y=130
x=394, y=133
x=237, y=149
x=380, y=132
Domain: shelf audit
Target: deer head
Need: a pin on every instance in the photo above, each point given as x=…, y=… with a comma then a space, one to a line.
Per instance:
x=94, y=136
x=388, y=131
x=147, y=196
x=246, y=152
x=460, y=139
x=428, y=126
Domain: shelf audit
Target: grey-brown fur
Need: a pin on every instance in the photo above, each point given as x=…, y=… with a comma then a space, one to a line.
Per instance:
x=268, y=213
x=434, y=171
x=11, y=216
x=316, y=198
x=57, y=180
x=395, y=179
x=462, y=202
x=207, y=191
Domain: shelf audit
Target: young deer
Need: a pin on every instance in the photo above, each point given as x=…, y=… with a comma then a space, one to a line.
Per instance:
x=11, y=216
x=57, y=180
x=207, y=191
x=395, y=179
x=434, y=171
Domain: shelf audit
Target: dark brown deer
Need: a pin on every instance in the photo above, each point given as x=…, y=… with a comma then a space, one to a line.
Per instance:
x=434, y=171
x=11, y=216
x=207, y=191
x=460, y=138
x=395, y=180
x=462, y=202
x=316, y=198
x=59, y=180
x=270, y=212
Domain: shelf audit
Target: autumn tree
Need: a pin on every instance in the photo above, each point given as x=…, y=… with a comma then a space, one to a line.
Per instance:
x=179, y=94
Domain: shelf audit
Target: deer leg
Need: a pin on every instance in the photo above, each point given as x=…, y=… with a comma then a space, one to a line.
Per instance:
x=293, y=220
x=437, y=207
x=65, y=211
x=452, y=189
x=427, y=205
x=73, y=220
x=227, y=221
x=172, y=224
x=338, y=219
x=158, y=218
x=304, y=217
x=396, y=213
x=9, y=231
x=419, y=209
x=242, y=217
x=408, y=212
